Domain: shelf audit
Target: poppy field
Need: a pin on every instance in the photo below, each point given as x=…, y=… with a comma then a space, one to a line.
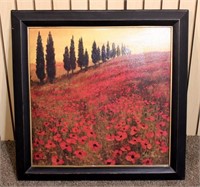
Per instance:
x=115, y=113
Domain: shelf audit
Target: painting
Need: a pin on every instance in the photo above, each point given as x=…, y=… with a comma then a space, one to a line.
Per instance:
x=100, y=95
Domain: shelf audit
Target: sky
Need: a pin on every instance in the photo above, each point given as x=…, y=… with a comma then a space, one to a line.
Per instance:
x=139, y=39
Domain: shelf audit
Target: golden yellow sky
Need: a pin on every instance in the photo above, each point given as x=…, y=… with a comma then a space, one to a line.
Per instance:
x=138, y=39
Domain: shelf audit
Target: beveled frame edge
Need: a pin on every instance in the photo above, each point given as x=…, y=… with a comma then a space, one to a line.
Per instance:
x=22, y=19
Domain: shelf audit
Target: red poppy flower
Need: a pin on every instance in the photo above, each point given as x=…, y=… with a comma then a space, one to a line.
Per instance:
x=46, y=124
x=143, y=126
x=91, y=133
x=74, y=136
x=53, y=129
x=118, y=126
x=65, y=124
x=150, y=135
x=134, y=130
x=165, y=133
x=150, y=118
x=164, y=148
x=86, y=128
x=50, y=144
x=161, y=124
x=126, y=148
x=108, y=127
x=38, y=142
x=129, y=119
x=166, y=117
x=65, y=146
x=110, y=162
x=137, y=120
x=57, y=138
x=132, y=157
x=71, y=141
x=94, y=145
x=125, y=128
x=147, y=161
x=41, y=133
x=59, y=124
x=166, y=104
x=121, y=136
x=38, y=156
x=56, y=161
x=117, y=153
x=82, y=139
x=110, y=137
x=139, y=140
x=64, y=130
x=87, y=116
x=76, y=130
x=160, y=133
x=145, y=144
x=80, y=154
x=133, y=141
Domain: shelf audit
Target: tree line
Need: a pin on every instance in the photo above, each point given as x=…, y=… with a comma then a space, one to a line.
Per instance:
x=69, y=58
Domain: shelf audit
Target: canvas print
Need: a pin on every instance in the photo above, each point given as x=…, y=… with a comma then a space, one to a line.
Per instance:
x=100, y=96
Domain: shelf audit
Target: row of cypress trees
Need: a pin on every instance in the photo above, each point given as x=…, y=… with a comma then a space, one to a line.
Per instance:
x=97, y=55
x=106, y=53
x=69, y=57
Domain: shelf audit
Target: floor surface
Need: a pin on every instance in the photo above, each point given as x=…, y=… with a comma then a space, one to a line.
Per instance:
x=8, y=175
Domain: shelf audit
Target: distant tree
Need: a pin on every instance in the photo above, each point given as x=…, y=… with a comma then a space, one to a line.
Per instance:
x=128, y=51
x=122, y=49
x=98, y=54
x=113, y=52
x=118, y=51
x=108, y=51
x=86, y=59
x=72, y=56
x=94, y=53
x=50, y=59
x=80, y=53
x=66, y=60
x=103, y=53
x=40, y=64
x=125, y=50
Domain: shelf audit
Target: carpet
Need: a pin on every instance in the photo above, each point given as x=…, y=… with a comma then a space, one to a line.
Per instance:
x=8, y=174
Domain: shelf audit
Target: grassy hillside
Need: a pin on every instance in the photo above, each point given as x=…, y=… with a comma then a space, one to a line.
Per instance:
x=116, y=113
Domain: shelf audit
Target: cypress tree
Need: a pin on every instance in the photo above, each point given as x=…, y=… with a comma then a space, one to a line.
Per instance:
x=66, y=60
x=118, y=51
x=72, y=55
x=50, y=59
x=80, y=53
x=86, y=59
x=94, y=53
x=98, y=54
x=123, y=50
x=113, y=52
x=40, y=65
x=103, y=53
x=108, y=51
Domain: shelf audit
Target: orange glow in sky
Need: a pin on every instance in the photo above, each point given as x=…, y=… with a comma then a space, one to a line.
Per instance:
x=138, y=39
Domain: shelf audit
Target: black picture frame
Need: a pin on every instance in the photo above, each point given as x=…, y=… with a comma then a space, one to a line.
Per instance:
x=177, y=19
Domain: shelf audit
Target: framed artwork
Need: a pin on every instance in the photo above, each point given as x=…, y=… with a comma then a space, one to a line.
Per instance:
x=100, y=94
